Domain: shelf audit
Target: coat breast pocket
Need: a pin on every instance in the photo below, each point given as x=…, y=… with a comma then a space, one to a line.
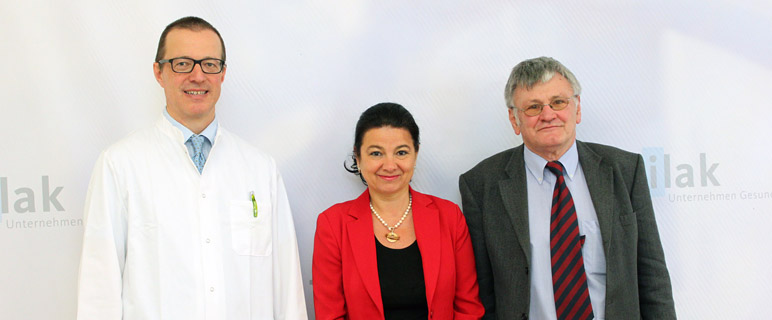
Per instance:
x=628, y=218
x=251, y=235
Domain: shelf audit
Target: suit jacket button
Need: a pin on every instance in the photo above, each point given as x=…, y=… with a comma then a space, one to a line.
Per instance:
x=524, y=316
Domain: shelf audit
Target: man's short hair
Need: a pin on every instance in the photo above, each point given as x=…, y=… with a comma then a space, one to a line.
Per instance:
x=189, y=23
x=527, y=73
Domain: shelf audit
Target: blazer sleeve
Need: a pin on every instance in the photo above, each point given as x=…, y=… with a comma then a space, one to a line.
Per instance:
x=473, y=213
x=327, y=272
x=466, y=304
x=654, y=289
x=289, y=300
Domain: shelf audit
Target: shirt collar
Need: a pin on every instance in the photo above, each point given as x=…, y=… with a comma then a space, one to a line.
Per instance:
x=209, y=132
x=536, y=164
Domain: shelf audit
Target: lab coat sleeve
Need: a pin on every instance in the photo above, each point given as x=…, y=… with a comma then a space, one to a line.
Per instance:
x=104, y=246
x=289, y=302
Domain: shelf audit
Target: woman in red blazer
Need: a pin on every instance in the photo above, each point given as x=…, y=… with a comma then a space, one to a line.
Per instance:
x=392, y=253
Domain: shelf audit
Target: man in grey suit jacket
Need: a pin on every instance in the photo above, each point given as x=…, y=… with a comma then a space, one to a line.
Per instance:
x=507, y=200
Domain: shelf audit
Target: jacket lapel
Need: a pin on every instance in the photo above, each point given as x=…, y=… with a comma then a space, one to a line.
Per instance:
x=600, y=182
x=514, y=194
x=362, y=240
x=426, y=220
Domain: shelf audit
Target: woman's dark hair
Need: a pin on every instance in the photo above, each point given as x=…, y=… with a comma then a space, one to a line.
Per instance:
x=384, y=114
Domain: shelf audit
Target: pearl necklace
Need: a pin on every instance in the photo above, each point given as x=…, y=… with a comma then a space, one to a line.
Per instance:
x=391, y=236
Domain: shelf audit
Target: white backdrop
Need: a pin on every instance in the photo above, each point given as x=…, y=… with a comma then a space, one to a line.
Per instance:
x=684, y=82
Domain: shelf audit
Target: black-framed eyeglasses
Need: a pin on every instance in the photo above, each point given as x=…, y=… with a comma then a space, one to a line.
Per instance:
x=186, y=65
x=556, y=104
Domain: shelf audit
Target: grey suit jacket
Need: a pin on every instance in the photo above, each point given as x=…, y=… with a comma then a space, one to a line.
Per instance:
x=495, y=203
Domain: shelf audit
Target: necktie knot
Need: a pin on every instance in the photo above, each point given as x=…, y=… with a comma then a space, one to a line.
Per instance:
x=556, y=168
x=198, y=142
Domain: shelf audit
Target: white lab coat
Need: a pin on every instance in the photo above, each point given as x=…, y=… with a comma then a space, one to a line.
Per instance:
x=162, y=241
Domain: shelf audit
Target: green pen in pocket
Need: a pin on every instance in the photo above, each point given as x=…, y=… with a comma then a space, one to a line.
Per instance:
x=254, y=205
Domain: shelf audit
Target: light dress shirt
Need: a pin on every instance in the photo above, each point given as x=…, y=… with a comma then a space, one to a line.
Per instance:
x=163, y=241
x=541, y=184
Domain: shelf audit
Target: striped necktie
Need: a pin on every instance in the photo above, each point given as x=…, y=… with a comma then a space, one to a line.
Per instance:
x=569, y=281
x=198, y=154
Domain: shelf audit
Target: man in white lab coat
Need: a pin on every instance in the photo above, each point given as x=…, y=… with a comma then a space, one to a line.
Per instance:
x=184, y=220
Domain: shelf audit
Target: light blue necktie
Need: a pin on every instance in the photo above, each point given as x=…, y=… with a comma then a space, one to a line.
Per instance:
x=198, y=154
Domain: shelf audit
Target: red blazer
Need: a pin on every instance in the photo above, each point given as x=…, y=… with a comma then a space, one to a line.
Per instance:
x=345, y=272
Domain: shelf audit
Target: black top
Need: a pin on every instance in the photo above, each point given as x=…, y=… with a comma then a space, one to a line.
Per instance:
x=402, y=282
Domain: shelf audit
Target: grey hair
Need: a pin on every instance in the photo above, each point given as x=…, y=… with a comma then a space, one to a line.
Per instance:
x=528, y=72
